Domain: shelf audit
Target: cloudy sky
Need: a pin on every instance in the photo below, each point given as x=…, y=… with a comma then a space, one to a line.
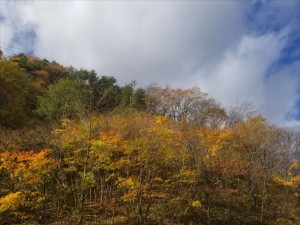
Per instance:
x=236, y=51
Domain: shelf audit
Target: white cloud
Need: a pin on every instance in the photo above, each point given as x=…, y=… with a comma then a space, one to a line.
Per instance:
x=13, y=27
x=242, y=77
x=143, y=41
x=205, y=43
x=280, y=95
x=240, y=74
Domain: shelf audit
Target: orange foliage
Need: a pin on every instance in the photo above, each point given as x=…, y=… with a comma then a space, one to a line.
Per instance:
x=29, y=166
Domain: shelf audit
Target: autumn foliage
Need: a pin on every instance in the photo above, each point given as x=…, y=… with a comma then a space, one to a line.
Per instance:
x=120, y=155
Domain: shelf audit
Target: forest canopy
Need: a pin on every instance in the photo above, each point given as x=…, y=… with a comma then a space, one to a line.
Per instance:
x=78, y=148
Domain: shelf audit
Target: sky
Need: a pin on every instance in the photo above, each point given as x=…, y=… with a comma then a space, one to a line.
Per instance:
x=236, y=51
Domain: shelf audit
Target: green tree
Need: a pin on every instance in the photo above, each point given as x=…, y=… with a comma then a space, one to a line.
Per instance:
x=138, y=99
x=127, y=93
x=66, y=98
x=106, y=94
x=14, y=88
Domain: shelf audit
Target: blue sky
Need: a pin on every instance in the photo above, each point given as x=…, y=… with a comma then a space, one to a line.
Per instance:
x=236, y=51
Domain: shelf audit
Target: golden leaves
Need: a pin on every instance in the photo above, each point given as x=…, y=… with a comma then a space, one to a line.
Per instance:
x=127, y=183
x=294, y=165
x=161, y=120
x=27, y=165
x=196, y=204
x=12, y=201
x=283, y=182
x=290, y=180
x=215, y=140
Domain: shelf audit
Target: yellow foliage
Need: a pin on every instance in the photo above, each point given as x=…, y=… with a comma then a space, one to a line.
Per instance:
x=128, y=183
x=283, y=182
x=160, y=120
x=40, y=199
x=118, y=164
x=291, y=182
x=95, y=144
x=214, y=140
x=296, y=179
x=65, y=122
x=12, y=201
x=196, y=204
x=186, y=175
x=27, y=166
x=58, y=131
x=294, y=165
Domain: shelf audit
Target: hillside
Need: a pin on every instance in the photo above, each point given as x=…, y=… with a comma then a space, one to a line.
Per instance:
x=78, y=148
